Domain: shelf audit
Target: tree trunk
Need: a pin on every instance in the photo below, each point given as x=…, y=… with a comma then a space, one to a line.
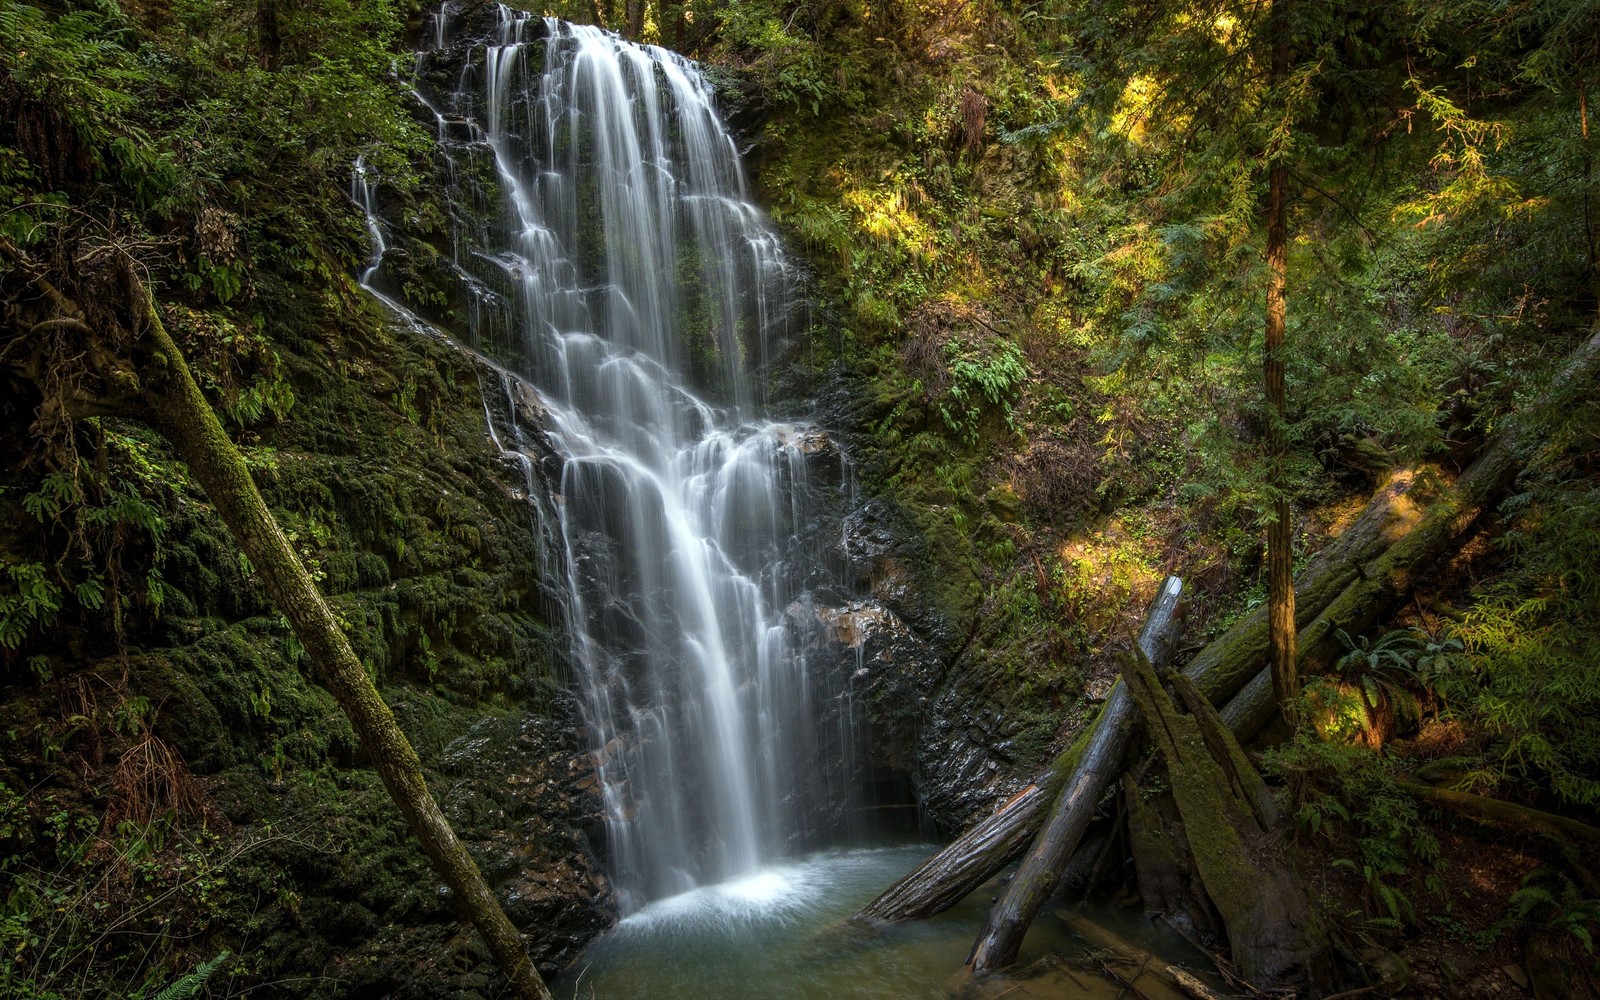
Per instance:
x=1492, y=810
x=1097, y=768
x=187, y=421
x=1379, y=584
x=1280, y=532
x=950, y=876
x=635, y=12
x=1168, y=885
x=1274, y=934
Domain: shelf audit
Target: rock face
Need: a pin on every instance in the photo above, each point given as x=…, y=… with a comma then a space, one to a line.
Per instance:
x=873, y=654
x=525, y=799
x=927, y=723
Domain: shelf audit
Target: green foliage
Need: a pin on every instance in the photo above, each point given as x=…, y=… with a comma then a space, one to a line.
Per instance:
x=981, y=378
x=1338, y=792
x=1549, y=900
x=1531, y=678
x=790, y=64
x=189, y=985
x=29, y=600
x=84, y=68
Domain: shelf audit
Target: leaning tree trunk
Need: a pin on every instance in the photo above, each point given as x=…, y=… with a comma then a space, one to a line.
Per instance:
x=187, y=421
x=1098, y=765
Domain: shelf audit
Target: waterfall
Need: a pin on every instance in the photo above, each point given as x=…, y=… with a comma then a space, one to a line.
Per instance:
x=609, y=254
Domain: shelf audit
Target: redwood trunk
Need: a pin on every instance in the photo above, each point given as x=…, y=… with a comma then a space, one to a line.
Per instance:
x=1280, y=533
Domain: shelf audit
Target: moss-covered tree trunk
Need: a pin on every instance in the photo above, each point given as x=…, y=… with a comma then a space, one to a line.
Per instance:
x=186, y=419
x=1274, y=934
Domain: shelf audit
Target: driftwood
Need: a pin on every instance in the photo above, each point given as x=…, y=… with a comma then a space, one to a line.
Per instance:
x=1274, y=933
x=1173, y=979
x=1098, y=765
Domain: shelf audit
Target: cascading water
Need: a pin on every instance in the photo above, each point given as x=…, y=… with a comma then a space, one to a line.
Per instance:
x=608, y=265
x=610, y=255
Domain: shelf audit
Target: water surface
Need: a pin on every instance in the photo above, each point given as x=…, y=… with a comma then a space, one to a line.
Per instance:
x=781, y=933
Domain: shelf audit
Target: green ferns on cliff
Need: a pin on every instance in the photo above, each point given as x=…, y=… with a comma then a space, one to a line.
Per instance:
x=171, y=782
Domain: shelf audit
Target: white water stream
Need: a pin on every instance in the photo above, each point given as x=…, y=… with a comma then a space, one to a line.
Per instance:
x=612, y=266
x=611, y=256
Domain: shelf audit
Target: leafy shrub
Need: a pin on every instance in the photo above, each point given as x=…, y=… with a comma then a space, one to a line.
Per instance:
x=1336, y=790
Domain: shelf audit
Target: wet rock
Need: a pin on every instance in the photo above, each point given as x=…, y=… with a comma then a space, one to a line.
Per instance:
x=523, y=797
x=1390, y=972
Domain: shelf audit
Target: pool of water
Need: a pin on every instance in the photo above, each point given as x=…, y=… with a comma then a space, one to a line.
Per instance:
x=781, y=933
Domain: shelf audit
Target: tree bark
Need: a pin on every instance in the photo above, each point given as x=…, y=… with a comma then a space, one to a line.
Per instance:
x=1492, y=810
x=1097, y=769
x=1280, y=532
x=951, y=875
x=187, y=421
x=1275, y=936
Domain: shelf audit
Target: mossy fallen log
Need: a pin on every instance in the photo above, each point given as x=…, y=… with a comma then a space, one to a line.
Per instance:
x=189, y=424
x=1167, y=883
x=1275, y=936
x=1098, y=765
x=1492, y=810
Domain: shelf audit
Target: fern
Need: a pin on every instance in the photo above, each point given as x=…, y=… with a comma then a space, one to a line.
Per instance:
x=188, y=985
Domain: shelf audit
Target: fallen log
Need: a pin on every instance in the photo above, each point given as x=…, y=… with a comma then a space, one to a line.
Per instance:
x=189, y=424
x=949, y=876
x=1097, y=766
x=1363, y=585
x=1491, y=810
x=986, y=848
x=972, y=859
x=1275, y=935
x=1148, y=964
x=126, y=363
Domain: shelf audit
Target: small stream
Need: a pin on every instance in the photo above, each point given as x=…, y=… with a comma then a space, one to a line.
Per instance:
x=781, y=933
